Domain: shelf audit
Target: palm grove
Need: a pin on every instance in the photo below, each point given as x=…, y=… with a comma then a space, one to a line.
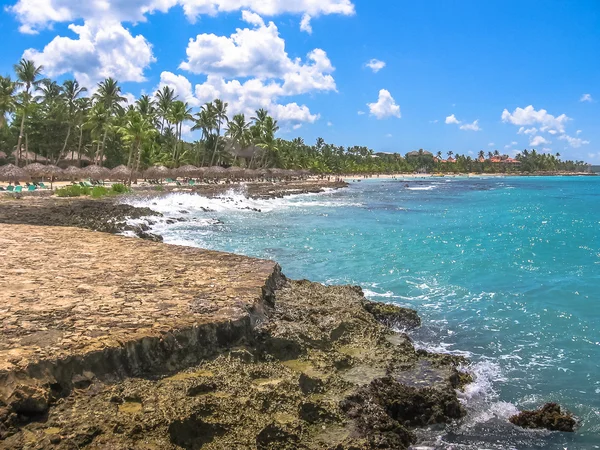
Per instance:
x=61, y=121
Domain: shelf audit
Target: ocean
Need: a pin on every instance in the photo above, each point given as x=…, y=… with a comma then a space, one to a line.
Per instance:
x=505, y=271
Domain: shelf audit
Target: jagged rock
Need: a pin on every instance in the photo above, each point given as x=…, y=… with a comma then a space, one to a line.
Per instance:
x=393, y=316
x=550, y=416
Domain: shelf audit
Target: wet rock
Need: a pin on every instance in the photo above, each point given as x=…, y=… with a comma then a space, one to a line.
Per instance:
x=275, y=437
x=550, y=416
x=149, y=236
x=312, y=413
x=393, y=316
x=193, y=433
x=29, y=400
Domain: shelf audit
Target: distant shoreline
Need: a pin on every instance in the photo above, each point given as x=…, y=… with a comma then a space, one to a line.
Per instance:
x=466, y=175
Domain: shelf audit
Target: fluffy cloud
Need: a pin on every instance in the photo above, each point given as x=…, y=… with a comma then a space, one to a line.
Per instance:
x=452, y=120
x=375, y=65
x=471, y=126
x=491, y=144
x=529, y=116
x=574, y=142
x=259, y=52
x=305, y=24
x=522, y=130
x=586, y=98
x=385, y=106
x=39, y=14
x=181, y=86
x=538, y=140
x=103, y=49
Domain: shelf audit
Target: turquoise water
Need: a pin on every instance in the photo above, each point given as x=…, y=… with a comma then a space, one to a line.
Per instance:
x=505, y=271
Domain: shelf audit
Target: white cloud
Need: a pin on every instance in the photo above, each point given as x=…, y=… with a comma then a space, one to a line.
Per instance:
x=522, y=130
x=389, y=135
x=385, y=106
x=361, y=113
x=511, y=145
x=578, y=132
x=329, y=124
x=538, y=140
x=375, y=65
x=181, y=85
x=452, y=120
x=552, y=132
x=529, y=116
x=434, y=121
x=35, y=15
x=103, y=49
x=259, y=52
x=491, y=144
x=305, y=24
x=574, y=142
x=471, y=126
x=586, y=98
x=546, y=150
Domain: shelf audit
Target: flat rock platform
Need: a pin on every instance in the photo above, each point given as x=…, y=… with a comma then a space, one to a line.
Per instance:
x=67, y=293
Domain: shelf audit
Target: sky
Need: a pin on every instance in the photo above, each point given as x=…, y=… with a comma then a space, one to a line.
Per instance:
x=392, y=75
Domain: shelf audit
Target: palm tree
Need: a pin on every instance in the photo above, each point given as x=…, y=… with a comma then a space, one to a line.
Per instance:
x=82, y=108
x=136, y=131
x=450, y=153
x=481, y=154
x=180, y=112
x=239, y=132
x=206, y=122
x=98, y=121
x=109, y=96
x=71, y=92
x=28, y=77
x=496, y=153
x=269, y=143
x=7, y=100
x=164, y=101
x=439, y=155
x=220, y=112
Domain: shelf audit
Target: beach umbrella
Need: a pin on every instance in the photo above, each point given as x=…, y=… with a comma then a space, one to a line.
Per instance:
x=188, y=171
x=216, y=172
x=73, y=172
x=158, y=172
x=35, y=169
x=235, y=172
x=30, y=156
x=51, y=171
x=120, y=173
x=10, y=172
x=96, y=172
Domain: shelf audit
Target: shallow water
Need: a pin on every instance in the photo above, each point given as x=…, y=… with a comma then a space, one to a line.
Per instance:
x=504, y=270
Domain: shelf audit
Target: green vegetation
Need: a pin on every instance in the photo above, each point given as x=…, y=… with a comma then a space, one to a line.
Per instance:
x=73, y=191
x=57, y=122
x=119, y=188
x=99, y=191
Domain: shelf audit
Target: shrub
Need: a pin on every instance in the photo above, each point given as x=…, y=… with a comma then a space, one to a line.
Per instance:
x=73, y=191
x=99, y=191
x=159, y=188
x=119, y=188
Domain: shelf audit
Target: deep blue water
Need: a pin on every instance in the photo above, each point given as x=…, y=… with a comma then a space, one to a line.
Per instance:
x=503, y=270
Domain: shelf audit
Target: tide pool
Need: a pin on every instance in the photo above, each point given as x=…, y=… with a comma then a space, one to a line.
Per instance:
x=505, y=271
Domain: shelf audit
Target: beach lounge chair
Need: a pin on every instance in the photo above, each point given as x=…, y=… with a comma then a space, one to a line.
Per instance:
x=31, y=188
x=87, y=184
x=18, y=189
x=42, y=185
x=192, y=183
x=10, y=188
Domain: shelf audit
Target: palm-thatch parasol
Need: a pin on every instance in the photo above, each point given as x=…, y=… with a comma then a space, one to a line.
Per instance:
x=30, y=156
x=35, y=169
x=51, y=171
x=158, y=173
x=235, y=172
x=10, y=172
x=96, y=172
x=187, y=171
x=73, y=172
x=121, y=173
x=216, y=172
x=3, y=155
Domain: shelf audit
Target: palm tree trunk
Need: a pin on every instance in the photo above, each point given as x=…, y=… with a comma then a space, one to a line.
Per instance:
x=129, y=163
x=103, y=145
x=137, y=164
x=18, y=154
x=216, y=146
x=79, y=148
x=27, y=148
x=66, y=140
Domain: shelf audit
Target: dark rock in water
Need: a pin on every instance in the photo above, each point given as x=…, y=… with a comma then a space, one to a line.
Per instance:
x=149, y=236
x=183, y=211
x=393, y=316
x=550, y=416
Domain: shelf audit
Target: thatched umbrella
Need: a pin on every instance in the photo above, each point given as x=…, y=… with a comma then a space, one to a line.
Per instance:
x=120, y=173
x=187, y=171
x=73, y=172
x=216, y=172
x=12, y=173
x=35, y=169
x=235, y=172
x=51, y=171
x=158, y=172
x=96, y=172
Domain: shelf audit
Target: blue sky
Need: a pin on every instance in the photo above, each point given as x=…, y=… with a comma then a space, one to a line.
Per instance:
x=451, y=68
